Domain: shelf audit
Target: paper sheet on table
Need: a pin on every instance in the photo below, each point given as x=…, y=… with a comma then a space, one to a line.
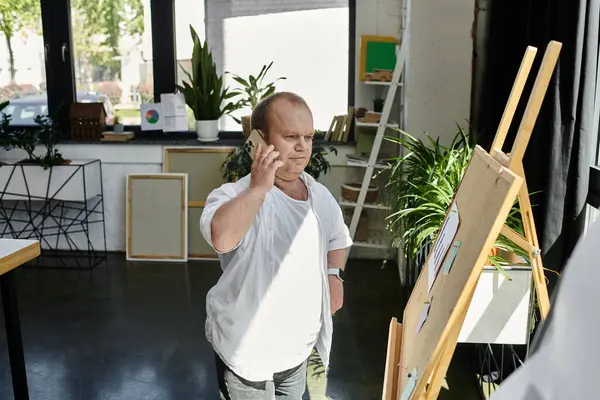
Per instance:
x=442, y=244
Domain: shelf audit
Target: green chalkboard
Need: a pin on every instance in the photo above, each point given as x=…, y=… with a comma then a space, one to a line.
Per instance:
x=380, y=55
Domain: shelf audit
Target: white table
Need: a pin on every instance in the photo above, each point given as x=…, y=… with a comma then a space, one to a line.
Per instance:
x=14, y=253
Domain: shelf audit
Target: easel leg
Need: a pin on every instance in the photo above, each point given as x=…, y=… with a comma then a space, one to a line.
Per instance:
x=442, y=364
x=537, y=268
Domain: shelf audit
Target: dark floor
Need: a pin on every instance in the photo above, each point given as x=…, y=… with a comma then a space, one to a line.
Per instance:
x=136, y=331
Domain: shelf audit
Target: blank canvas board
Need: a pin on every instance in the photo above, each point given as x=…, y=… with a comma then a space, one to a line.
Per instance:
x=203, y=167
x=157, y=217
x=484, y=199
x=198, y=247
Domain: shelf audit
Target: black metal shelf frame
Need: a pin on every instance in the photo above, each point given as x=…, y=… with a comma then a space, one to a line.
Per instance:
x=50, y=217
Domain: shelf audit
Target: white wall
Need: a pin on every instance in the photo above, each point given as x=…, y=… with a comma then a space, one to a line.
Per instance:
x=438, y=80
x=438, y=89
x=374, y=17
x=120, y=160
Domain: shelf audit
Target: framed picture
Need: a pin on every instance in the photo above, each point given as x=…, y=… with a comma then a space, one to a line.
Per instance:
x=202, y=165
x=157, y=217
x=377, y=57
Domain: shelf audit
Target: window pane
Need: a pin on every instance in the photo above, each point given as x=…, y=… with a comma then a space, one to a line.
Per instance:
x=112, y=43
x=187, y=12
x=308, y=45
x=22, y=65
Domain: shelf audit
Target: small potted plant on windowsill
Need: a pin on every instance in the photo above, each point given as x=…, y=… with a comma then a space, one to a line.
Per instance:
x=205, y=93
x=253, y=90
x=118, y=127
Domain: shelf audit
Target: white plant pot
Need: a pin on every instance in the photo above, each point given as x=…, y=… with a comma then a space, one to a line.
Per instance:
x=499, y=309
x=207, y=131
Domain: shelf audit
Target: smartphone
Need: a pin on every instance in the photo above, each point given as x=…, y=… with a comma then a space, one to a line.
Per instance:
x=251, y=144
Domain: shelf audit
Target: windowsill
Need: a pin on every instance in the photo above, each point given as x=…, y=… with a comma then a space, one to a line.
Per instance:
x=226, y=139
x=178, y=139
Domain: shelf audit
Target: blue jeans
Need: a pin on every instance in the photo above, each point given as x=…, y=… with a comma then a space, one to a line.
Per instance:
x=286, y=385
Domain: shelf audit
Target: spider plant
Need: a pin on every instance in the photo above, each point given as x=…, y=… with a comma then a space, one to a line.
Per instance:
x=421, y=187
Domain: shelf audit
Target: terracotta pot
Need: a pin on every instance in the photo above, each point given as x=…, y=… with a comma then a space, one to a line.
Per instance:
x=351, y=190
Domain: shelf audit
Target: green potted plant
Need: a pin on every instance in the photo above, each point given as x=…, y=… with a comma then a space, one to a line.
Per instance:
x=49, y=135
x=253, y=90
x=118, y=127
x=205, y=93
x=421, y=187
x=26, y=139
x=238, y=162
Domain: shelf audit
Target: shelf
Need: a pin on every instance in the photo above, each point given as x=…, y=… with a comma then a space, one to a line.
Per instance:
x=376, y=240
x=375, y=124
x=379, y=83
x=373, y=206
x=365, y=164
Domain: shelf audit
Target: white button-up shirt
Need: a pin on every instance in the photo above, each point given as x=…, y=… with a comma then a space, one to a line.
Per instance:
x=249, y=271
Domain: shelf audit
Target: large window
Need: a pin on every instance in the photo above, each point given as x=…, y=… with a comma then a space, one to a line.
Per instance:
x=124, y=53
x=22, y=69
x=306, y=41
x=187, y=13
x=112, y=51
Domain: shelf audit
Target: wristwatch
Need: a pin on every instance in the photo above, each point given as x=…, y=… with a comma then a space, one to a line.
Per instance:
x=337, y=272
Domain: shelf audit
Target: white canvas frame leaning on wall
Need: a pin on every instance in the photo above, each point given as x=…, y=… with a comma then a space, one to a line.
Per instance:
x=156, y=217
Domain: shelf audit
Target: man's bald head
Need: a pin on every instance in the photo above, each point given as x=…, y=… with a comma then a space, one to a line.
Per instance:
x=261, y=114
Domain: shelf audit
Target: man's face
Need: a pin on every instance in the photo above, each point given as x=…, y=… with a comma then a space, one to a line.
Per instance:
x=291, y=133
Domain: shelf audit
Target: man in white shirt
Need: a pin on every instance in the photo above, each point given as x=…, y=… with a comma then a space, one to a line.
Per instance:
x=281, y=240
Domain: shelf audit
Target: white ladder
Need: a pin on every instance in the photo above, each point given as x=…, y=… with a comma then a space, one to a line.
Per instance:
x=382, y=125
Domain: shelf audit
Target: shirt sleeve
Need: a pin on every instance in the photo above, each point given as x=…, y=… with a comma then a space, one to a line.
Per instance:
x=215, y=199
x=340, y=235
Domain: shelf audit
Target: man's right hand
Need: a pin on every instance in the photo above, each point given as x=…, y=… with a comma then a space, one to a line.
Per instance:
x=264, y=167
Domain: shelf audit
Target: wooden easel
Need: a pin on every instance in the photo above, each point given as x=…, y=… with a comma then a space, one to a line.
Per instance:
x=514, y=160
x=486, y=194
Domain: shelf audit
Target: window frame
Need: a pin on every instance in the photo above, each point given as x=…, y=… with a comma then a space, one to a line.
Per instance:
x=59, y=61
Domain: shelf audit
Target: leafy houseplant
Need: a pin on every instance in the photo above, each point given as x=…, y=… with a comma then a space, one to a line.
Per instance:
x=238, y=162
x=421, y=188
x=253, y=90
x=45, y=133
x=204, y=93
x=49, y=136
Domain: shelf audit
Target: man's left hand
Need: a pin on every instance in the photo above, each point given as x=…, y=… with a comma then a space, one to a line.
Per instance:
x=336, y=293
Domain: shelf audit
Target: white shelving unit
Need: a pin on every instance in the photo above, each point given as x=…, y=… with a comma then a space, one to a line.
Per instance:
x=377, y=239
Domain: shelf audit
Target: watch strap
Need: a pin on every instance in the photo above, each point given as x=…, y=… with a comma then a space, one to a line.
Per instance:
x=335, y=271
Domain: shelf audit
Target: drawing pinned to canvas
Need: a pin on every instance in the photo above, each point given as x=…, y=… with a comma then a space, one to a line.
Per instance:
x=442, y=244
